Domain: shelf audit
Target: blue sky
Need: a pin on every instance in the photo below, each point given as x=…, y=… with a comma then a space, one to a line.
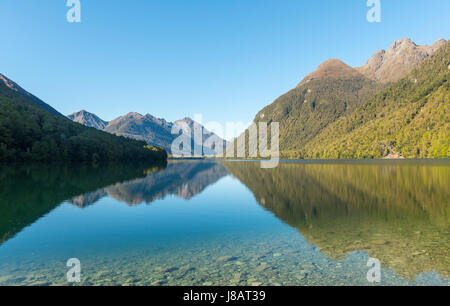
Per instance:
x=224, y=59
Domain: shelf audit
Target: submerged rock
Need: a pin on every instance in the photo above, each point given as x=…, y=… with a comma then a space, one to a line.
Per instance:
x=166, y=269
x=379, y=242
x=262, y=268
x=226, y=258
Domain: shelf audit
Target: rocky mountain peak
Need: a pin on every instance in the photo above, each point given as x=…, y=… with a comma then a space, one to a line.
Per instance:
x=187, y=120
x=88, y=119
x=437, y=44
x=399, y=59
x=403, y=43
x=132, y=115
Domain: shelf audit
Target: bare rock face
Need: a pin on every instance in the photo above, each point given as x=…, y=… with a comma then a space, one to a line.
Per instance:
x=10, y=84
x=437, y=44
x=397, y=61
x=88, y=119
x=148, y=128
x=332, y=68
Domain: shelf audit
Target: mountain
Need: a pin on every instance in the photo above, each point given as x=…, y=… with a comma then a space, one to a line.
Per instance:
x=333, y=90
x=152, y=130
x=410, y=118
x=398, y=60
x=32, y=130
x=312, y=114
x=146, y=128
x=88, y=119
x=332, y=68
x=29, y=98
x=209, y=139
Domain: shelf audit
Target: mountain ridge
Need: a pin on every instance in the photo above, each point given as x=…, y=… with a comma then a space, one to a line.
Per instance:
x=154, y=131
x=410, y=118
x=335, y=91
x=13, y=86
x=88, y=119
x=147, y=128
x=398, y=60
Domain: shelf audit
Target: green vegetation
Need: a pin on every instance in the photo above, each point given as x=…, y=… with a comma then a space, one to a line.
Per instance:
x=356, y=118
x=396, y=211
x=29, y=132
x=28, y=191
x=409, y=118
x=306, y=110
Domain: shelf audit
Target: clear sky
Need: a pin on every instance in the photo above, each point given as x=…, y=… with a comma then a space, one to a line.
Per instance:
x=224, y=59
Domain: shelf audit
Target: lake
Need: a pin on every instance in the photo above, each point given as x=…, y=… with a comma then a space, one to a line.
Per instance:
x=226, y=223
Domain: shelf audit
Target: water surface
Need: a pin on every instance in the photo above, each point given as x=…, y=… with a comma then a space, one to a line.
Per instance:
x=230, y=223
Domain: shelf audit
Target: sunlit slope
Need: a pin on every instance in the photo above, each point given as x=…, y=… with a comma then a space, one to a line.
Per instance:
x=409, y=118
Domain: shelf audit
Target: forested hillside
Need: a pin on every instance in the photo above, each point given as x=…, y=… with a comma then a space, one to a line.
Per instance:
x=339, y=112
x=410, y=118
x=306, y=110
x=29, y=132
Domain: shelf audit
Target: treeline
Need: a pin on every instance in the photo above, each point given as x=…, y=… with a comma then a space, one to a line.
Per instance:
x=30, y=133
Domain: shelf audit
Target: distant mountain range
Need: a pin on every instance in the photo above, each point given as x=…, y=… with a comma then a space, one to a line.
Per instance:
x=154, y=131
x=396, y=105
x=336, y=101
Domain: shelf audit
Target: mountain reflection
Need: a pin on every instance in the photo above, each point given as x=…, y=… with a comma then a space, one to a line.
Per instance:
x=396, y=212
x=183, y=179
x=28, y=192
